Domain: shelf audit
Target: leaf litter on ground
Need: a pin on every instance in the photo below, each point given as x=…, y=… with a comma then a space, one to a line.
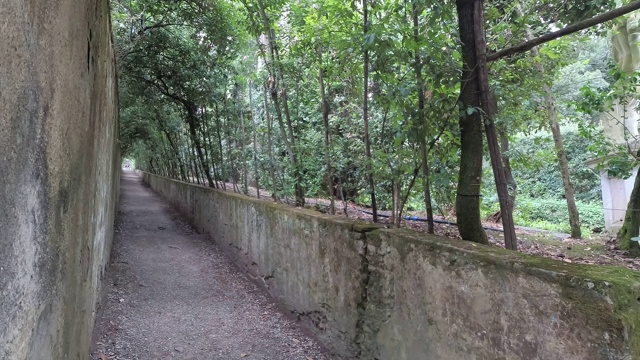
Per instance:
x=600, y=249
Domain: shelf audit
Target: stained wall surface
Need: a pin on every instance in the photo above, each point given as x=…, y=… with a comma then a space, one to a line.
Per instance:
x=59, y=166
x=377, y=293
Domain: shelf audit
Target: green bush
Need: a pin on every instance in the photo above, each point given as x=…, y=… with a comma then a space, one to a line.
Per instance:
x=536, y=170
x=549, y=213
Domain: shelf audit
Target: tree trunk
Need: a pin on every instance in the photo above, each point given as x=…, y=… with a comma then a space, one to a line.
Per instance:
x=186, y=155
x=177, y=155
x=511, y=182
x=192, y=121
x=224, y=181
x=194, y=163
x=153, y=169
x=325, y=122
x=365, y=114
x=243, y=145
x=470, y=175
x=208, y=157
x=227, y=123
x=166, y=153
x=403, y=199
x=299, y=191
x=274, y=190
x=422, y=121
x=394, y=200
x=489, y=109
x=345, y=204
x=563, y=162
x=206, y=136
x=255, y=142
x=277, y=78
x=631, y=225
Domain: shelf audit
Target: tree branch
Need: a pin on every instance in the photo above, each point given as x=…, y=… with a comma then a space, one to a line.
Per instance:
x=528, y=45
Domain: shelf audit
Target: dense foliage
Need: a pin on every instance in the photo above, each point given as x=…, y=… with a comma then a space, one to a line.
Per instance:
x=269, y=94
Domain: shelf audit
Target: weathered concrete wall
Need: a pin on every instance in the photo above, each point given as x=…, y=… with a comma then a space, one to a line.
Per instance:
x=58, y=173
x=378, y=293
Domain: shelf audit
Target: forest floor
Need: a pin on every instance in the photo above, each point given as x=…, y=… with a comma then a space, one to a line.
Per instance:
x=599, y=249
x=172, y=294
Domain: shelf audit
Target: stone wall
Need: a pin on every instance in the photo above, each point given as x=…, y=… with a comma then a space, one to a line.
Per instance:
x=59, y=166
x=377, y=293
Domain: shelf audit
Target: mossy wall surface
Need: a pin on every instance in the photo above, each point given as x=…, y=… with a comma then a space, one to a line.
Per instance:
x=59, y=166
x=375, y=293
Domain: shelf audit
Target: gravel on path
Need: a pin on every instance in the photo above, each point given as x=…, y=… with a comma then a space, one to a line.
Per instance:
x=172, y=294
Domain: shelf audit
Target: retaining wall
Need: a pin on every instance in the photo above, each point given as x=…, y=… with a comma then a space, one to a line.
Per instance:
x=376, y=293
x=59, y=172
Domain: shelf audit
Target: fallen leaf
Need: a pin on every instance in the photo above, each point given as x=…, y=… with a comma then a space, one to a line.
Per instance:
x=103, y=357
x=244, y=355
x=174, y=247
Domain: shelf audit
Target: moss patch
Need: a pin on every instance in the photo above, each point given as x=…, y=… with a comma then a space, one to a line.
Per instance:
x=604, y=299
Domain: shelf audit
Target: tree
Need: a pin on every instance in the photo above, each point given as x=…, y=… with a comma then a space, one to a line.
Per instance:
x=368, y=39
x=471, y=143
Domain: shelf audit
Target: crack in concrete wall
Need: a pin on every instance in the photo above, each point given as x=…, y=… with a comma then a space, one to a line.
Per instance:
x=373, y=293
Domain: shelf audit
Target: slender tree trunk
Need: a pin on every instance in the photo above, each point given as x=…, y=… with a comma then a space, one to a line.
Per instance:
x=167, y=159
x=488, y=106
x=365, y=114
x=192, y=121
x=208, y=157
x=299, y=190
x=232, y=163
x=182, y=139
x=405, y=197
x=153, y=169
x=188, y=157
x=177, y=155
x=563, y=163
x=471, y=148
x=511, y=181
x=207, y=130
x=426, y=186
x=327, y=140
x=397, y=190
x=208, y=146
x=277, y=78
x=344, y=201
x=274, y=189
x=255, y=141
x=631, y=225
x=222, y=175
x=422, y=121
x=192, y=159
x=243, y=144
x=394, y=200
x=298, y=78
x=273, y=90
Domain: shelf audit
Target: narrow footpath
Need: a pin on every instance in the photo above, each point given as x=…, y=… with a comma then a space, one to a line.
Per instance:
x=172, y=294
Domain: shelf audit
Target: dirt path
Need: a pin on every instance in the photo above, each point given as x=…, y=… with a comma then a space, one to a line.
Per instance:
x=171, y=294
